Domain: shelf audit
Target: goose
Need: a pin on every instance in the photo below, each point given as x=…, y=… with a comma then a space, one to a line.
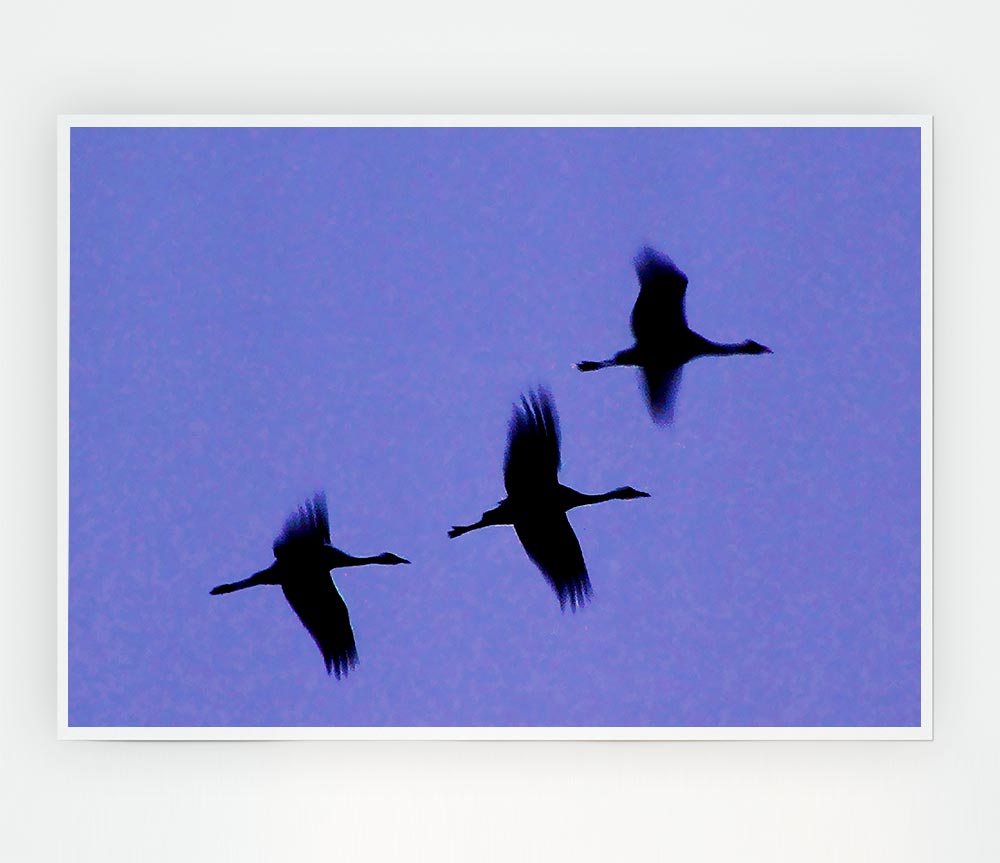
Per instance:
x=663, y=340
x=303, y=559
x=537, y=503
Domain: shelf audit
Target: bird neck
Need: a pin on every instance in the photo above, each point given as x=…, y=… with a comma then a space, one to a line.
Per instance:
x=337, y=559
x=576, y=498
x=364, y=561
x=719, y=349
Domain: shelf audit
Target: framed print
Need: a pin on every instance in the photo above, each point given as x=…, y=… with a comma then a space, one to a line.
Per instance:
x=495, y=427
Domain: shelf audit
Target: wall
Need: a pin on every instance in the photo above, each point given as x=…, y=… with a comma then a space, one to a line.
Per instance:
x=499, y=801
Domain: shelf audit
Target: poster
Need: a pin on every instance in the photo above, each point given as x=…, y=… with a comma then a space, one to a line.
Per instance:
x=268, y=319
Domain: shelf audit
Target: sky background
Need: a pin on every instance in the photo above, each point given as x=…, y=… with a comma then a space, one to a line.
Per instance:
x=257, y=314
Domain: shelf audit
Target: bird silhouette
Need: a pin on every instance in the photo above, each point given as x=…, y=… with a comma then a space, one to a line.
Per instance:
x=537, y=503
x=303, y=560
x=663, y=340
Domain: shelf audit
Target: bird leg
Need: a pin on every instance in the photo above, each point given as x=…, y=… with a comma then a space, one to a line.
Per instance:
x=490, y=517
x=265, y=576
x=592, y=365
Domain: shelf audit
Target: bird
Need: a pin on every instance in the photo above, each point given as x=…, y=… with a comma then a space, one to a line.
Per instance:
x=303, y=559
x=663, y=340
x=537, y=503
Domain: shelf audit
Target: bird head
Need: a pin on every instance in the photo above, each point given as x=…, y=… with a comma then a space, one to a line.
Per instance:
x=628, y=493
x=752, y=347
x=389, y=557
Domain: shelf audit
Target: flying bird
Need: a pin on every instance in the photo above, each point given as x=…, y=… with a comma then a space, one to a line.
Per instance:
x=537, y=503
x=663, y=340
x=303, y=558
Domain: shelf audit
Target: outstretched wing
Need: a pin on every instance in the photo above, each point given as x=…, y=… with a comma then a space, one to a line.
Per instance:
x=659, y=309
x=306, y=530
x=661, y=386
x=315, y=599
x=552, y=545
x=532, y=460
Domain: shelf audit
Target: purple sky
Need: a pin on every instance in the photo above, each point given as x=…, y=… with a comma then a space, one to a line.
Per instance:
x=257, y=314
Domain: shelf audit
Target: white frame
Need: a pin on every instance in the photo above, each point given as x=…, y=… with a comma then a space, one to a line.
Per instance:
x=922, y=732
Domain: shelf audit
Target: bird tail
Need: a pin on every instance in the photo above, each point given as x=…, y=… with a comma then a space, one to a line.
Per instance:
x=458, y=530
x=591, y=365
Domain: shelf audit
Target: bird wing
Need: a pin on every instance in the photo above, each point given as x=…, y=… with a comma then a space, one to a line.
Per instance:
x=532, y=460
x=551, y=543
x=661, y=386
x=315, y=599
x=304, y=531
x=659, y=309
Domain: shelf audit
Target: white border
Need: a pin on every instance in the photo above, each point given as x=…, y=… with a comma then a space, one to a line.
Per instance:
x=922, y=732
